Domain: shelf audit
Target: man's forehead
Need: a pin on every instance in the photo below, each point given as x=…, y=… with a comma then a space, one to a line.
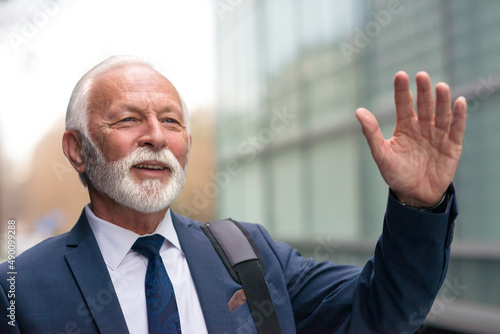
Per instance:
x=131, y=75
x=129, y=79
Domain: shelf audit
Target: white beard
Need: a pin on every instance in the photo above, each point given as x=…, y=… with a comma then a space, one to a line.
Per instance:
x=114, y=179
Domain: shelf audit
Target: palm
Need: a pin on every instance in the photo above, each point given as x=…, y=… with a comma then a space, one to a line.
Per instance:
x=419, y=161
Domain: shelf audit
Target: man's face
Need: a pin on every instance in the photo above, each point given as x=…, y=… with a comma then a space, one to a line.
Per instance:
x=141, y=140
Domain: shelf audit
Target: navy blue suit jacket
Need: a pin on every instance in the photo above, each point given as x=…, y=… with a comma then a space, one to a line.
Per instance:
x=62, y=285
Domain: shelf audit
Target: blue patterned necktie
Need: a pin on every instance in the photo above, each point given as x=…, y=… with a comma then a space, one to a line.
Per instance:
x=163, y=316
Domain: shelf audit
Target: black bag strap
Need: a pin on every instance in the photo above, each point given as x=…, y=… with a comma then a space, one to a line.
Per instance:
x=243, y=260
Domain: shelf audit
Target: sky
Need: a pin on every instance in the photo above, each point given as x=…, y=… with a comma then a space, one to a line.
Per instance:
x=47, y=45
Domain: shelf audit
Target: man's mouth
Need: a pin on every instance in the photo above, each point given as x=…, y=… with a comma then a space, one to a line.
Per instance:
x=152, y=166
x=146, y=166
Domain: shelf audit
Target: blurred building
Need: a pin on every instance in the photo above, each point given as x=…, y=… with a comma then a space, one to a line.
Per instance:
x=291, y=153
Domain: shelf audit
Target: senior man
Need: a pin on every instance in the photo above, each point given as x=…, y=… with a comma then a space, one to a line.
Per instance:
x=128, y=138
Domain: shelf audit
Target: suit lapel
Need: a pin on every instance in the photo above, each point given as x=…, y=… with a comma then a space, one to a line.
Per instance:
x=206, y=272
x=88, y=267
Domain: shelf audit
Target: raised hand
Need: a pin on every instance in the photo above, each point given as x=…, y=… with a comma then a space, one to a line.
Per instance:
x=419, y=161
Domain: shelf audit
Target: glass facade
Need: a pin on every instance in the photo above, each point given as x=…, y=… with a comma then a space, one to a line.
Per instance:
x=290, y=76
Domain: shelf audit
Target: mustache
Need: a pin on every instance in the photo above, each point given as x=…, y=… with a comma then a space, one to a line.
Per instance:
x=144, y=154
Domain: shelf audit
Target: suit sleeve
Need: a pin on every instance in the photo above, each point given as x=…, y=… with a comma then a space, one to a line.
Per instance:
x=391, y=294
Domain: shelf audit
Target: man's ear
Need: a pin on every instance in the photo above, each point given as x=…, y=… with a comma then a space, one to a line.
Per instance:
x=72, y=148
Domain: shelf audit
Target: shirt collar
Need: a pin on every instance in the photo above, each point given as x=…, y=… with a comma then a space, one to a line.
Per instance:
x=115, y=241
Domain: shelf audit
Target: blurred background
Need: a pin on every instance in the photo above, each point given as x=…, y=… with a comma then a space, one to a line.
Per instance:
x=272, y=87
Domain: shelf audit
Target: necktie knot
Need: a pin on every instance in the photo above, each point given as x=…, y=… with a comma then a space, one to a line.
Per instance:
x=149, y=246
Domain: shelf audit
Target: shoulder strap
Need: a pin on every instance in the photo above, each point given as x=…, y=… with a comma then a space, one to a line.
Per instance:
x=243, y=260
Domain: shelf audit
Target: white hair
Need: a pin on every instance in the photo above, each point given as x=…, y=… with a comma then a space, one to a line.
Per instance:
x=77, y=112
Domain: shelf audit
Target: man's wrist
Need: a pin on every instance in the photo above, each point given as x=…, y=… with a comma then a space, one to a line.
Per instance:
x=440, y=207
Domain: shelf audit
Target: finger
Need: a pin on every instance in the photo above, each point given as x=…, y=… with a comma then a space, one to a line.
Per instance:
x=403, y=97
x=457, y=128
x=371, y=131
x=425, y=100
x=443, y=106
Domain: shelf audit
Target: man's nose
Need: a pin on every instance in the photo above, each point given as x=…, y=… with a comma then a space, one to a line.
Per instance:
x=154, y=135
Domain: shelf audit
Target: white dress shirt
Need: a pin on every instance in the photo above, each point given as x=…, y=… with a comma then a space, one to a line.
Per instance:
x=127, y=269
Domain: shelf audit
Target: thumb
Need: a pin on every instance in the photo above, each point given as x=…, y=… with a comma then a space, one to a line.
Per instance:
x=371, y=131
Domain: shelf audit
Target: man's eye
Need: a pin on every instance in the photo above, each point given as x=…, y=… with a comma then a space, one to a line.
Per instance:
x=171, y=120
x=128, y=119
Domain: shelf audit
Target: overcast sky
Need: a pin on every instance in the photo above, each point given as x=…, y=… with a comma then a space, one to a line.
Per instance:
x=46, y=46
